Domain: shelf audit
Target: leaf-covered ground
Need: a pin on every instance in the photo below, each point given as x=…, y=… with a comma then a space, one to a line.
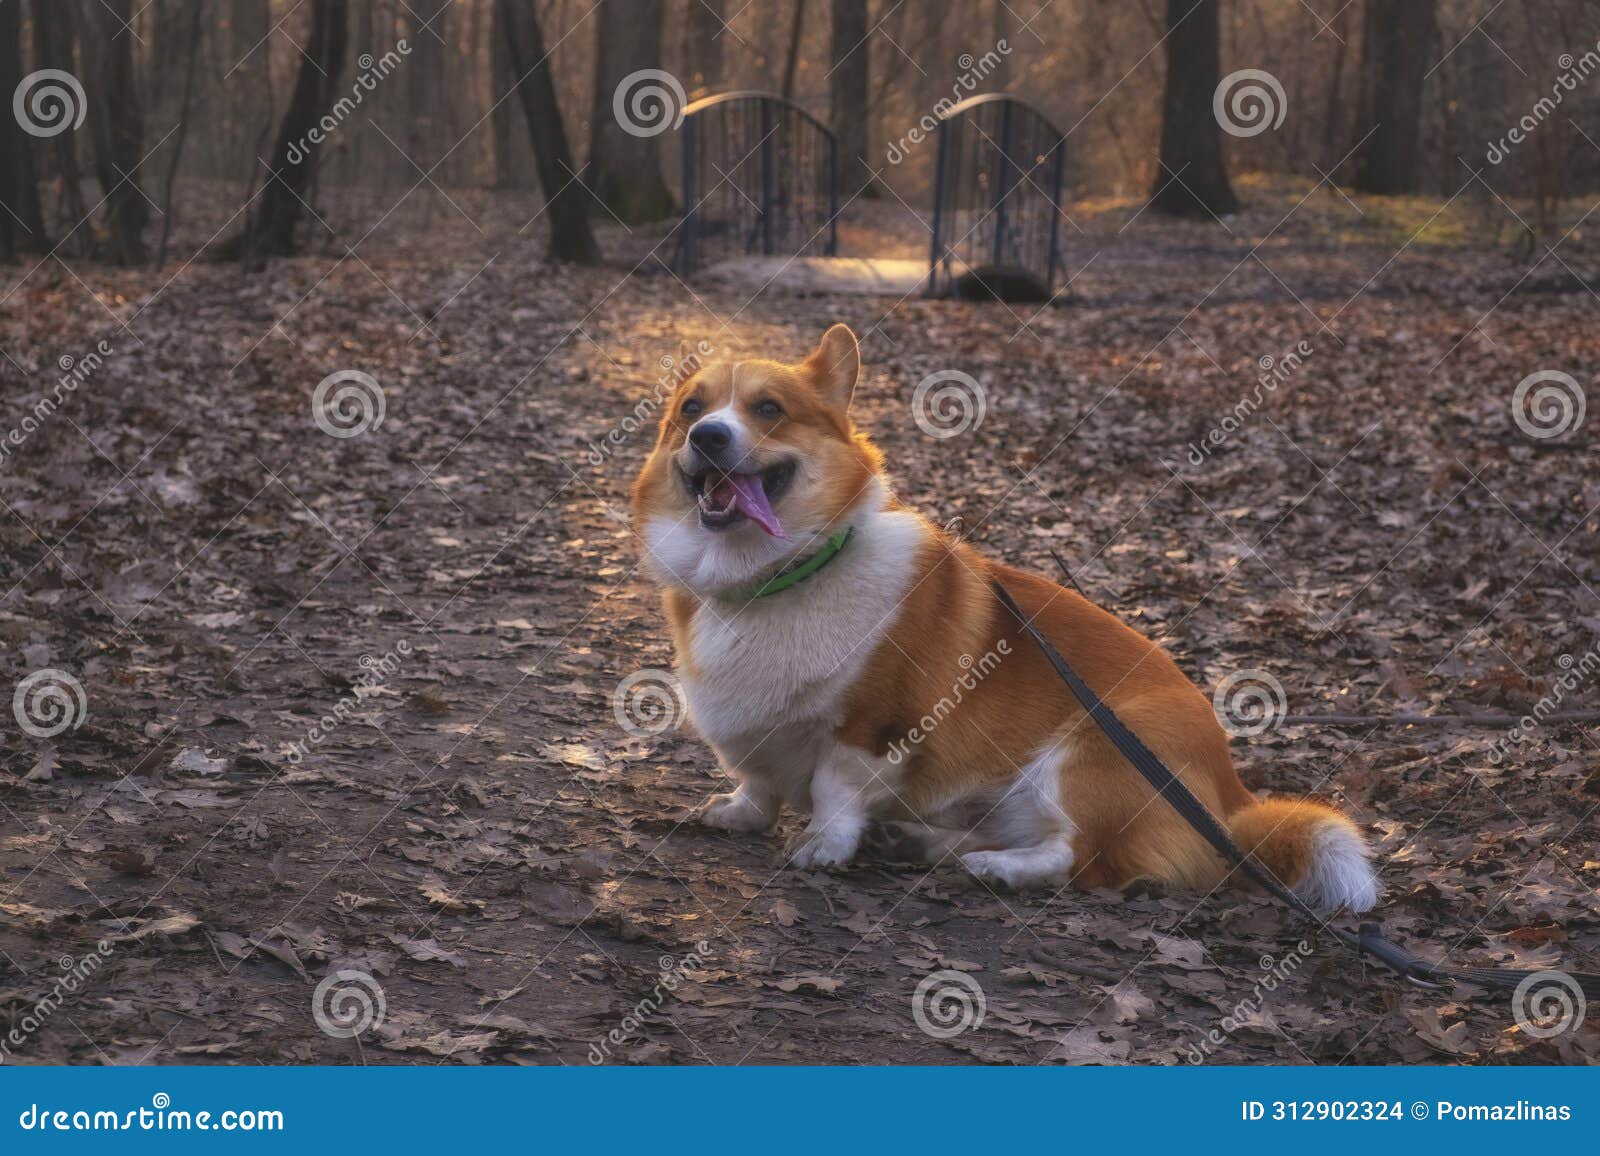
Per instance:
x=515, y=872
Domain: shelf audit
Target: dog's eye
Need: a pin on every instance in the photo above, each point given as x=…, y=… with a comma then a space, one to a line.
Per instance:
x=692, y=407
x=769, y=409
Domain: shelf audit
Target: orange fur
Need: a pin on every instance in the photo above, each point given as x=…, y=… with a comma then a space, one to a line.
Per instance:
x=946, y=620
x=1280, y=831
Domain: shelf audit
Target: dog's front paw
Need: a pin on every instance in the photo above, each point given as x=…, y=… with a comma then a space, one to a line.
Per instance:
x=735, y=811
x=827, y=847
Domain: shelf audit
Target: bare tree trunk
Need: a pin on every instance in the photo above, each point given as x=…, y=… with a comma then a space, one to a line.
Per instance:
x=848, y=84
x=21, y=221
x=426, y=103
x=1397, y=38
x=1333, y=110
x=936, y=45
x=52, y=48
x=240, y=246
x=791, y=60
x=364, y=152
x=197, y=9
x=118, y=126
x=571, y=239
x=889, y=81
x=625, y=167
x=171, y=22
x=1474, y=80
x=1550, y=152
x=703, y=45
x=241, y=79
x=502, y=120
x=1192, y=180
x=271, y=228
x=1000, y=78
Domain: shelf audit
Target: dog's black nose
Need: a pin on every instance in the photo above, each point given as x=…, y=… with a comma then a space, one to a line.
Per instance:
x=710, y=438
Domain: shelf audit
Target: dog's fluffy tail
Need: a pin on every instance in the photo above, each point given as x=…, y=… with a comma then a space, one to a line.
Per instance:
x=1311, y=847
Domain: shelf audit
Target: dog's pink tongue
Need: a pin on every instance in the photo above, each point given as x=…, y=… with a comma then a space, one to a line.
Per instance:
x=752, y=500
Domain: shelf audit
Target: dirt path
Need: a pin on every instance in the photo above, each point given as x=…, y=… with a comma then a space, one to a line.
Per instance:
x=456, y=590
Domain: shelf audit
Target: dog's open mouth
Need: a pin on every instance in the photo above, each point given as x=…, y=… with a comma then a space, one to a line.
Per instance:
x=725, y=500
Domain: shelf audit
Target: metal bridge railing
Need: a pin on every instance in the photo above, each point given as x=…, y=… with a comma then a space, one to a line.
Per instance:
x=760, y=176
x=997, y=201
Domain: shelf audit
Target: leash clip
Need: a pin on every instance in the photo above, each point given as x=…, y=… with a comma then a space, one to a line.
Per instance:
x=1397, y=959
x=1425, y=984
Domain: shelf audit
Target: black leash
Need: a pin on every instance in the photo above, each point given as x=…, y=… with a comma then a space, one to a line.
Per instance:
x=1367, y=941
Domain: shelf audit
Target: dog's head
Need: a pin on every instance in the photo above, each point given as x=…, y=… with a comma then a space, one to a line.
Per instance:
x=754, y=462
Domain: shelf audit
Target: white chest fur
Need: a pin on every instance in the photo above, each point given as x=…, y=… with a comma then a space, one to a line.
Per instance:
x=787, y=661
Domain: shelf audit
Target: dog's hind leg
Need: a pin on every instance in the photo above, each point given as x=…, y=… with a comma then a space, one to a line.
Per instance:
x=915, y=840
x=1047, y=862
x=1031, y=826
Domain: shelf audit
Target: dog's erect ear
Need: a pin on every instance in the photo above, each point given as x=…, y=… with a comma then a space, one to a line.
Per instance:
x=835, y=364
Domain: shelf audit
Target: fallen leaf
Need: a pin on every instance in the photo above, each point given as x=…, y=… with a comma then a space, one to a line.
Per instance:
x=1433, y=1031
x=427, y=951
x=196, y=761
x=574, y=755
x=1084, y=1045
x=824, y=984
x=1127, y=1003
x=166, y=926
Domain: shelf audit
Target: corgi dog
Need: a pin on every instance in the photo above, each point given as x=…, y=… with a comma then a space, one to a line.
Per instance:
x=847, y=658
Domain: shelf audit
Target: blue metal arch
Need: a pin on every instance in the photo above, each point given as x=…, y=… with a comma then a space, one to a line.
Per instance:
x=760, y=175
x=997, y=200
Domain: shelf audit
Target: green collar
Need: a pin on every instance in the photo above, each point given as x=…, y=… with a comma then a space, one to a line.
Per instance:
x=794, y=574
